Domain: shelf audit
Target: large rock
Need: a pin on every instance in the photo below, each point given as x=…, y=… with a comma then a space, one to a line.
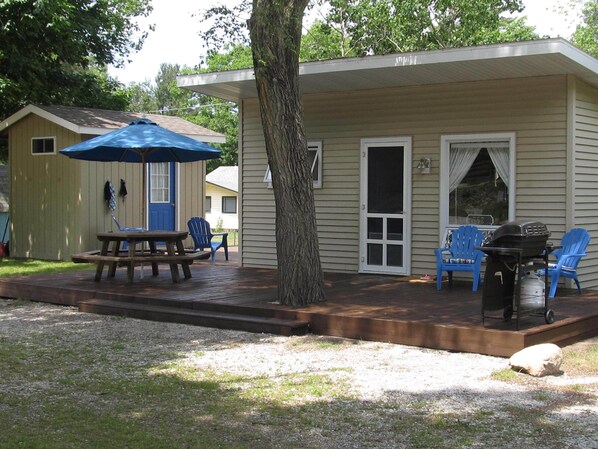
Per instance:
x=539, y=360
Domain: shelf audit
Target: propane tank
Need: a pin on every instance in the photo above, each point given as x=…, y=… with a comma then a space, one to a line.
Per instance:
x=532, y=291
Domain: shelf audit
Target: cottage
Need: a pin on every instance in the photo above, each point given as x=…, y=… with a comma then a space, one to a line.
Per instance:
x=404, y=145
x=58, y=204
x=222, y=187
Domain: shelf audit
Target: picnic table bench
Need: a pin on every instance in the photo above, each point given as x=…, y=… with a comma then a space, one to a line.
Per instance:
x=174, y=255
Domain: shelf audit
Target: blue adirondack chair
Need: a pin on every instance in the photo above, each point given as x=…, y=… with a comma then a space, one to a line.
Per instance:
x=461, y=255
x=568, y=255
x=199, y=230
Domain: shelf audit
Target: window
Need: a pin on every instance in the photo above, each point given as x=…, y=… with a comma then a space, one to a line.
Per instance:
x=160, y=182
x=478, y=182
x=42, y=145
x=229, y=204
x=314, y=154
x=208, y=204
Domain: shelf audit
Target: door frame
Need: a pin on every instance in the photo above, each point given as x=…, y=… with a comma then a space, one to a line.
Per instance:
x=366, y=143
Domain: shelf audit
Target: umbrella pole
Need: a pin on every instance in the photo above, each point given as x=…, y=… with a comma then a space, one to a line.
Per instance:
x=143, y=190
x=143, y=202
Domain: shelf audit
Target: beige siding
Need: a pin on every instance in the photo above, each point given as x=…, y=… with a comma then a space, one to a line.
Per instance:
x=585, y=143
x=192, y=177
x=45, y=193
x=535, y=109
x=95, y=213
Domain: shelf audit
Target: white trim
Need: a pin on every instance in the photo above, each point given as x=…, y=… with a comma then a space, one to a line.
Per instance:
x=53, y=138
x=519, y=59
x=311, y=144
x=146, y=196
x=151, y=183
x=571, y=154
x=32, y=109
x=240, y=156
x=445, y=143
x=406, y=143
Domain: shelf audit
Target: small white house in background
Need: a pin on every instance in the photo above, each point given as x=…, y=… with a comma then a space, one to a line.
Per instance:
x=222, y=187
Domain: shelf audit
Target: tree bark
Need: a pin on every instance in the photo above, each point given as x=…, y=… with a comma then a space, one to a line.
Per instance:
x=275, y=30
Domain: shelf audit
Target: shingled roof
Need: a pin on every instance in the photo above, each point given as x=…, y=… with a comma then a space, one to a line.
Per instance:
x=226, y=177
x=101, y=121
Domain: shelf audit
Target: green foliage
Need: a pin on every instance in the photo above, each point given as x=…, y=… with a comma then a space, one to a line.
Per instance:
x=227, y=26
x=392, y=26
x=56, y=52
x=586, y=34
x=218, y=225
x=141, y=97
x=168, y=96
x=325, y=41
x=233, y=57
x=22, y=267
x=220, y=116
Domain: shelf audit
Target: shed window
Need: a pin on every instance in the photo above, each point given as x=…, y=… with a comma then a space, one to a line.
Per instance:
x=208, y=204
x=229, y=204
x=42, y=145
x=314, y=154
x=160, y=182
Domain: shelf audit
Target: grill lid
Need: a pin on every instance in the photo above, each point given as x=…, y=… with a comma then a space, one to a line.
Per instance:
x=521, y=229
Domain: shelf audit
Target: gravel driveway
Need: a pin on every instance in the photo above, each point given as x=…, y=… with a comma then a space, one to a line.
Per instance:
x=404, y=380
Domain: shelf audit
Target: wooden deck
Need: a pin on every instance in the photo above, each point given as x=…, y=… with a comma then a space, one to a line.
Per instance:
x=369, y=307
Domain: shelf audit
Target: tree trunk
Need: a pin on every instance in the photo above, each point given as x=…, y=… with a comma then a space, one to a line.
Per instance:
x=275, y=29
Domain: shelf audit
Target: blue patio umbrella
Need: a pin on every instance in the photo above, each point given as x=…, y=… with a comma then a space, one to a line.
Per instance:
x=142, y=141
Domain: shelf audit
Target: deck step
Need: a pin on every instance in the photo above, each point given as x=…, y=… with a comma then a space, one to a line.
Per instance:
x=222, y=320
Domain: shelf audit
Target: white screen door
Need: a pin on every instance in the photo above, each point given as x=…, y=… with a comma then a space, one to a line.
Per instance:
x=385, y=219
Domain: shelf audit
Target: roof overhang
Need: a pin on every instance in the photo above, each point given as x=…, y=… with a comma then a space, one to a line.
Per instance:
x=220, y=185
x=503, y=61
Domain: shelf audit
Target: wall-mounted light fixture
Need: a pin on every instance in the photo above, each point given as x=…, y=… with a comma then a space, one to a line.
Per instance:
x=424, y=165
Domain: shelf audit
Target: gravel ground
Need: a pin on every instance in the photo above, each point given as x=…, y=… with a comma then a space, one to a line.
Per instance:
x=386, y=373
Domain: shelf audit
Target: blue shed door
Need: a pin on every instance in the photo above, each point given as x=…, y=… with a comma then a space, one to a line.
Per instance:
x=162, y=198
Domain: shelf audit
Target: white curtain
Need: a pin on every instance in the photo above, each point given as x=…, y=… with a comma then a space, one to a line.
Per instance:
x=500, y=159
x=461, y=159
x=463, y=155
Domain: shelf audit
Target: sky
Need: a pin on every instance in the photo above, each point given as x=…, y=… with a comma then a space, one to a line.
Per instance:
x=175, y=38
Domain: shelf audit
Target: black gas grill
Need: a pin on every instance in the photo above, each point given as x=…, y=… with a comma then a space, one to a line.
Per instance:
x=529, y=236
x=515, y=247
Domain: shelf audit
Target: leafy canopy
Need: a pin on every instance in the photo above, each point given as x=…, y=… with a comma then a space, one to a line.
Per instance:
x=347, y=28
x=360, y=27
x=586, y=34
x=56, y=51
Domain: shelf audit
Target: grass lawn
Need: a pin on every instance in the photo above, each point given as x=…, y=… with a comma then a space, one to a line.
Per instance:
x=21, y=267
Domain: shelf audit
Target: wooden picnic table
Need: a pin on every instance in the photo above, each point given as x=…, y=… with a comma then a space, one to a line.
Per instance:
x=136, y=254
